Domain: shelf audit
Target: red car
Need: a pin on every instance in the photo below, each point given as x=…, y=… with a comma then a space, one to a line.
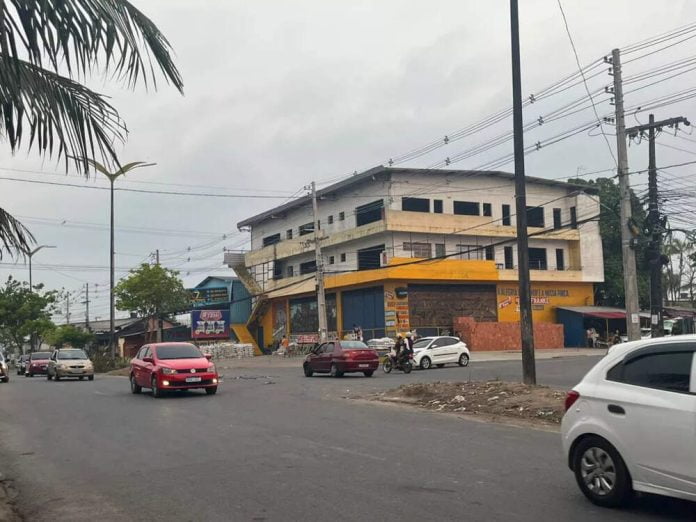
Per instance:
x=339, y=357
x=37, y=364
x=172, y=366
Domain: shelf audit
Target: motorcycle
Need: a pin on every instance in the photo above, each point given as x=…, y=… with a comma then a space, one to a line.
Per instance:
x=405, y=365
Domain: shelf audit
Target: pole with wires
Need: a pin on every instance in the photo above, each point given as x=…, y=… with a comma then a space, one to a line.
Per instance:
x=526, y=325
x=321, y=294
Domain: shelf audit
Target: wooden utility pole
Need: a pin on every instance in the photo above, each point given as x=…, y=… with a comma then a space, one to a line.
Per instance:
x=526, y=326
x=86, y=303
x=655, y=220
x=627, y=240
x=321, y=294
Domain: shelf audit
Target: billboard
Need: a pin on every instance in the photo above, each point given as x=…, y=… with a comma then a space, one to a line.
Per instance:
x=210, y=324
x=200, y=297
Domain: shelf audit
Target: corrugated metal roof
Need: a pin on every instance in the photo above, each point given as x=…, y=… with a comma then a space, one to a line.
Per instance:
x=386, y=172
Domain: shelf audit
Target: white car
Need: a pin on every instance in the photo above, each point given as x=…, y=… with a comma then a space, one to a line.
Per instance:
x=439, y=351
x=630, y=425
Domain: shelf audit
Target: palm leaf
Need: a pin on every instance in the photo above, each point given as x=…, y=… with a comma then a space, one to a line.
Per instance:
x=64, y=117
x=82, y=35
x=14, y=237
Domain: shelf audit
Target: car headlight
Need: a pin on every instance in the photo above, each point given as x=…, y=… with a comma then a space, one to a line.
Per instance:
x=63, y=366
x=212, y=368
x=168, y=371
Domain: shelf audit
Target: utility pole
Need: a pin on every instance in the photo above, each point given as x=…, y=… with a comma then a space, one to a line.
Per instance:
x=655, y=220
x=86, y=303
x=157, y=257
x=160, y=326
x=67, y=309
x=526, y=325
x=628, y=253
x=321, y=295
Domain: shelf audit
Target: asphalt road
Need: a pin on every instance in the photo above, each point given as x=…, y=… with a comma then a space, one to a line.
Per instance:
x=276, y=446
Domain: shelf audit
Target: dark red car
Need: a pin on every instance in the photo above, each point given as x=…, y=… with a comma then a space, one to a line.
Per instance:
x=37, y=364
x=166, y=367
x=339, y=357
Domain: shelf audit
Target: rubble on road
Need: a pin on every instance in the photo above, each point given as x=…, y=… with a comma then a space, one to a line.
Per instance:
x=537, y=404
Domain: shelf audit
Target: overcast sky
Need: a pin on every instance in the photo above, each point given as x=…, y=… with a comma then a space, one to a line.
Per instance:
x=278, y=94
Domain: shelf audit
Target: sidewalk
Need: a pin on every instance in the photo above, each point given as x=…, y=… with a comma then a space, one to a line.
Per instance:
x=275, y=361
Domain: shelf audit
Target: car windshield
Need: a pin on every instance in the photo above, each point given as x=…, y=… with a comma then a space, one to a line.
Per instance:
x=354, y=345
x=178, y=351
x=40, y=356
x=72, y=354
x=421, y=343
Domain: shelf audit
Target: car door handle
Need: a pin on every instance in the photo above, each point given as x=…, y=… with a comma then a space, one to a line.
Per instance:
x=614, y=408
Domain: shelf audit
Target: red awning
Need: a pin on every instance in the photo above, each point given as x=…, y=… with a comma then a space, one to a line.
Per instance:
x=606, y=315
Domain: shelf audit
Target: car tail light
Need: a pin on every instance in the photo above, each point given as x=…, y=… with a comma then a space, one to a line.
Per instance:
x=570, y=399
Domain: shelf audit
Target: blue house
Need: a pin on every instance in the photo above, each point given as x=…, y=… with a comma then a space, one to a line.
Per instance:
x=224, y=292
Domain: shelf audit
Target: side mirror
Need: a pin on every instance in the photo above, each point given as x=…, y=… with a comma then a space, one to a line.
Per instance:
x=149, y=360
x=208, y=355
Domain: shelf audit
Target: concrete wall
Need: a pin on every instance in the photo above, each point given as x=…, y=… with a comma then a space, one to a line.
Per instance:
x=505, y=336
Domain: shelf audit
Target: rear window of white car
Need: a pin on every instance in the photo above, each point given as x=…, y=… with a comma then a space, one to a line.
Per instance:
x=669, y=371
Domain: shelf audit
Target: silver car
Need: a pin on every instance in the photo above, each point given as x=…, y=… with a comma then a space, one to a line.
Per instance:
x=4, y=369
x=69, y=362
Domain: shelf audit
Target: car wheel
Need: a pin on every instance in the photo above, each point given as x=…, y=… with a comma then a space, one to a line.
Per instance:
x=335, y=372
x=440, y=365
x=82, y=377
x=426, y=363
x=30, y=374
x=6, y=379
x=48, y=376
x=368, y=373
x=134, y=385
x=601, y=473
x=156, y=392
x=90, y=378
x=211, y=391
x=57, y=377
x=463, y=360
x=307, y=370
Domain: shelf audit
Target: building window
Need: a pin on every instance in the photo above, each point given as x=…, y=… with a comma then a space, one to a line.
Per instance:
x=487, y=209
x=535, y=217
x=330, y=219
x=560, y=259
x=470, y=252
x=343, y=258
x=332, y=260
x=278, y=270
x=291, y=271
x=556, y=218
x=308, y=268
x=369, y=258
x=271, y=240
x=437, y=206
x=506, y=215
x=341, y=216
x=369, y=213
x=288, y=234
x=307, y=228
x=415, y=204
x=467, y=208
x=537, y=259
x=419, y=249
x=440, y=250
x=509, y=263
x=573, y=218
x=490, y=253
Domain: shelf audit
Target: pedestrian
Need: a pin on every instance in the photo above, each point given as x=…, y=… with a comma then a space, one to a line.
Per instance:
x=284, y=345
x=588, y=336
x=595, y=337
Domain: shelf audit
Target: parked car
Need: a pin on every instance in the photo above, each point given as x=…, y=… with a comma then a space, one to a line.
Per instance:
x=630, y=425
x=439, y=351
x=339, y=357
x=166, y=367
x=22, y=364
x=69, y=362
x=37, y=364
x=4, y=369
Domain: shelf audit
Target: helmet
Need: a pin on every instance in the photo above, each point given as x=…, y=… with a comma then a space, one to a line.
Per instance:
x=408, y=334
x=399, y=335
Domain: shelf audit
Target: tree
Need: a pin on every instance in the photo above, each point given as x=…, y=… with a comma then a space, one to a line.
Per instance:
x=24, y=312
x=152, y=291
x=611, y=291
x=69, y=335
x=46, y=49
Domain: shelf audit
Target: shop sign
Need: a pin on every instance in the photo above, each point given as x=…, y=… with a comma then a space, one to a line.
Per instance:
x=200, y=297
x=210, y=324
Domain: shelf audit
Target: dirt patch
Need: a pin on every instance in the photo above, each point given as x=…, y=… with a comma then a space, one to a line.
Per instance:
x=506, y=400
x=8, y=494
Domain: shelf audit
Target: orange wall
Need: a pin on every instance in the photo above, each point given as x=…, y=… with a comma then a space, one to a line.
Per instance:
x=545, y=298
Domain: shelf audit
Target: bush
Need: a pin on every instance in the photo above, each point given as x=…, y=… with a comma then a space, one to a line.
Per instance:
x=104, y=363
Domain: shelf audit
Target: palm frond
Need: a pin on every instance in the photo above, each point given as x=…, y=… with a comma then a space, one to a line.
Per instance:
x=63, y=117
x=14, y=237
x=82, y=35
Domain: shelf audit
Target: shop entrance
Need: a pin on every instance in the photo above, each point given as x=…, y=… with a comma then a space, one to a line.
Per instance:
x=364, y=308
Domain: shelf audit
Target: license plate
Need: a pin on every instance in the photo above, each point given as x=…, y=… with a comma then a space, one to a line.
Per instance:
x=363, y=365
x=193, y=379
x=44, y=367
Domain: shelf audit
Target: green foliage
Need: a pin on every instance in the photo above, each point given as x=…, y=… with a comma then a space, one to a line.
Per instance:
x=611, y=292
x=104, y=363
x=69, y=335
x=24, y=312
x=151, y=291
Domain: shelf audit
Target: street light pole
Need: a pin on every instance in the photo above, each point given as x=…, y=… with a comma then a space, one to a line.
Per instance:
x=30, y=254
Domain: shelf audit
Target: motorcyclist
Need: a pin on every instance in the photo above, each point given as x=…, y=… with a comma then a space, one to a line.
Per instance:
x=406, y=348
x=399, y=347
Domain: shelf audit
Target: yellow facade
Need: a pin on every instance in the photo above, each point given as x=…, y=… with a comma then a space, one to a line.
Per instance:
x=546, y=297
